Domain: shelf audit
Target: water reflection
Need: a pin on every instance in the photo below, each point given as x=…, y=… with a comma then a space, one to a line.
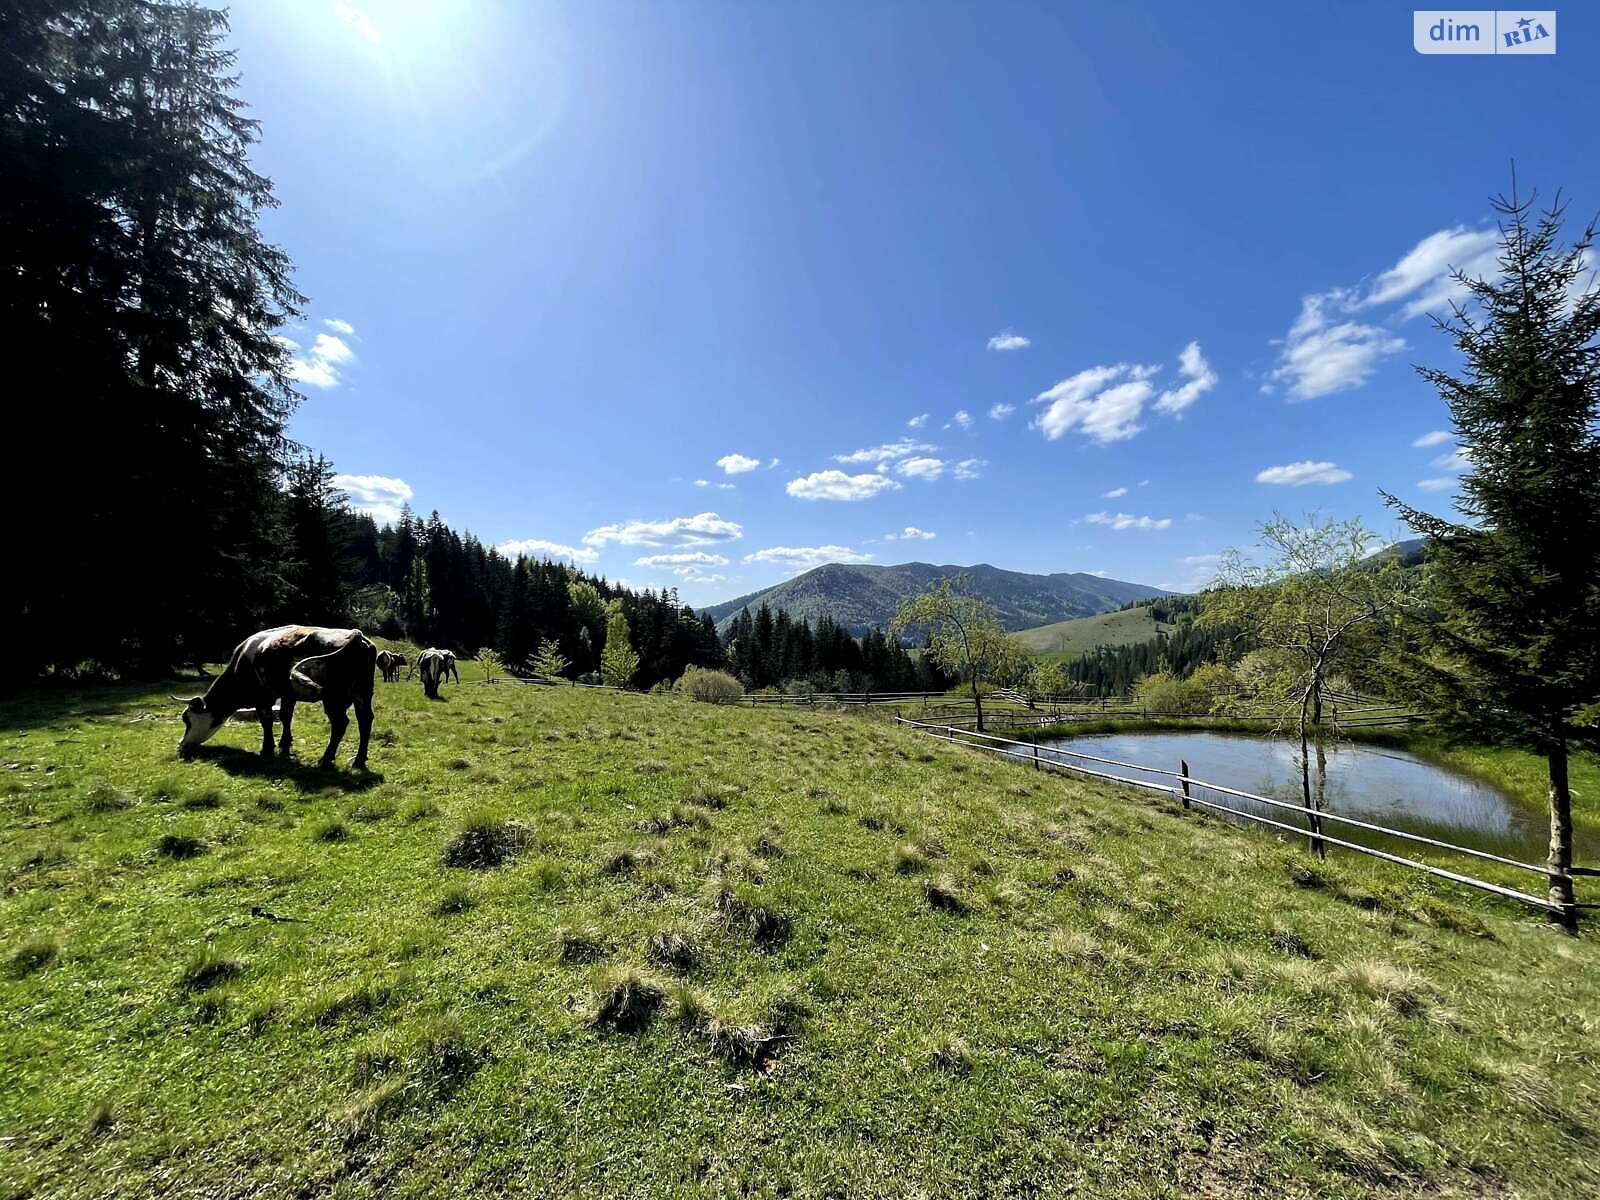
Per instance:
x=1374, y=783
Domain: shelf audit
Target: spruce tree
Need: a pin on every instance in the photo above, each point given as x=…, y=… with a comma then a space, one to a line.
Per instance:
x=142, y=304
x=1509, y=649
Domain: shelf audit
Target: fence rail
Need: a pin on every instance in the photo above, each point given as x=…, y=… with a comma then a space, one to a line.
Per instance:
x=1184, y=785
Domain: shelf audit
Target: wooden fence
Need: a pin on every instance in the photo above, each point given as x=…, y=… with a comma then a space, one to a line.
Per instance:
x=1184, y=787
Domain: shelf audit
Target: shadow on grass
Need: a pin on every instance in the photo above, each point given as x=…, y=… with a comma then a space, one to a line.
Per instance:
x=306, y=777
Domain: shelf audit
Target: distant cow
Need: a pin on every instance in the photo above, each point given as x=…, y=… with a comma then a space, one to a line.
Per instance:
x=435, y=666
x=291, y=663
x=389, y=663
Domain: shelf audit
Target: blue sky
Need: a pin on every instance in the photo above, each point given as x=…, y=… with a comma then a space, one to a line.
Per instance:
x=703, y=294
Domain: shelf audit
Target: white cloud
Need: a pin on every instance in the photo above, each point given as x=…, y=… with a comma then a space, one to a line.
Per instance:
x=772, y=462
x=1200, y=560
x=539, y=548
x=1199, y=379
x=1323, y=355
x=1006, y=340
x=1457, y=460
x=288, y=343
x=737, y=464
x=911, y=534
x=1329, y=350
x=703, y=529
x=702, y=483
x=687, y=565
x=999, y=412
x=806, y=556
x=1437, y=485
x=836, y=485
x=379, y=496
x=1437, y=438
x=970, y=468
x=918, y=421
x=921, y=468
x=356, y=19
x=320, y=366
x=888, y=452
x=1085, y=401
x=343, y=328
x=962, y=419
x=1301, y=473
x=1424, y=273
x=1115, y=493
x=1123, y=520
x=687, y=558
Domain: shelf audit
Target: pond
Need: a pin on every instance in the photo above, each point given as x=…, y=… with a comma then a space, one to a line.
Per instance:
x=1373, y=783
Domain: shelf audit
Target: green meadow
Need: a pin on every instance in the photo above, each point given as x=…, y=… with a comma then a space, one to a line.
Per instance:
x=566, y=941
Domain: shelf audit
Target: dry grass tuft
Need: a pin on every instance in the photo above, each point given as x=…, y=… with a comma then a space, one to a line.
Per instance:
x=742, y=911
x=179, y=845
x=674, y=949
x=208, y=969
x=626, y=1001
x=106, y=800
x=1287, y=941
x=629, y=859
x=1402, y=990
x=910, y=859
x=330, y=831
x=485, y=842
x=35, y=954
x=952, y=1055
x=581, y=943
x=944, y=893
x=454, y=899
x=100, y=1120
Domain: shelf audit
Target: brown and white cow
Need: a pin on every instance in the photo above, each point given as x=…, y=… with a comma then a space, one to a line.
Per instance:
x=288, y=664
x=435, y=666
x=389, y=663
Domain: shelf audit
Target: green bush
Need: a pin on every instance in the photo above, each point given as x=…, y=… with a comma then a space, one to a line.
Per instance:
x=710, y=687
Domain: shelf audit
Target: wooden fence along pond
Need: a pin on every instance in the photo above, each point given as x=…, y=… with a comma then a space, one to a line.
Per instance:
x=1185, y=788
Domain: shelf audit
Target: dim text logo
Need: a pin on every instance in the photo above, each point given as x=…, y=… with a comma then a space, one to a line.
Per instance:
x=1483, y=31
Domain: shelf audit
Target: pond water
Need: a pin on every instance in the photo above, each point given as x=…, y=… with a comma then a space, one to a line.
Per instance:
x=1373, y=783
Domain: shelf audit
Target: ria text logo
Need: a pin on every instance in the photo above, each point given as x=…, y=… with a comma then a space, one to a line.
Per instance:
x=1484, y=31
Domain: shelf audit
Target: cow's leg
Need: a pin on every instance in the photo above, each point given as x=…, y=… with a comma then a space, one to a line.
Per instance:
x=286, y=715
x=337, y=724
x=364, y=728
x=264, y=715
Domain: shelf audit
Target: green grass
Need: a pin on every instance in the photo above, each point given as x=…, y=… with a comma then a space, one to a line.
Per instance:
x=1068, y=639
x=710, y=951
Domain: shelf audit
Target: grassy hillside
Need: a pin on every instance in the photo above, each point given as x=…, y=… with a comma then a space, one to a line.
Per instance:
x=732, y=952
x=862, y=596
x=1068, y=639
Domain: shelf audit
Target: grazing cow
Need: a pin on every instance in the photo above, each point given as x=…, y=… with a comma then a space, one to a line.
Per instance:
x=435, y=666
x=294, y=662
x=389, y=663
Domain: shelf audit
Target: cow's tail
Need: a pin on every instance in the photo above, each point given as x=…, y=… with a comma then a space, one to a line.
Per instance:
x=307, y=677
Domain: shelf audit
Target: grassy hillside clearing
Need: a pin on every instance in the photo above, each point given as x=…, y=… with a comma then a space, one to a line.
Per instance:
x=1068, y=639
x=733, y=952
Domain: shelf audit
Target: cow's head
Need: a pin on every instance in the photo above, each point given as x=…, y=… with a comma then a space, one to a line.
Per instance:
x=199, y=723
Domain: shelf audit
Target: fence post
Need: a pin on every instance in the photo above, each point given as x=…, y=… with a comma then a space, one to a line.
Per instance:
x=1036, y=765
x=1183, y=769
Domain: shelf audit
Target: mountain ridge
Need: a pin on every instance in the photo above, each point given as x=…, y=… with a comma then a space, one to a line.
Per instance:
x=862, y=595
